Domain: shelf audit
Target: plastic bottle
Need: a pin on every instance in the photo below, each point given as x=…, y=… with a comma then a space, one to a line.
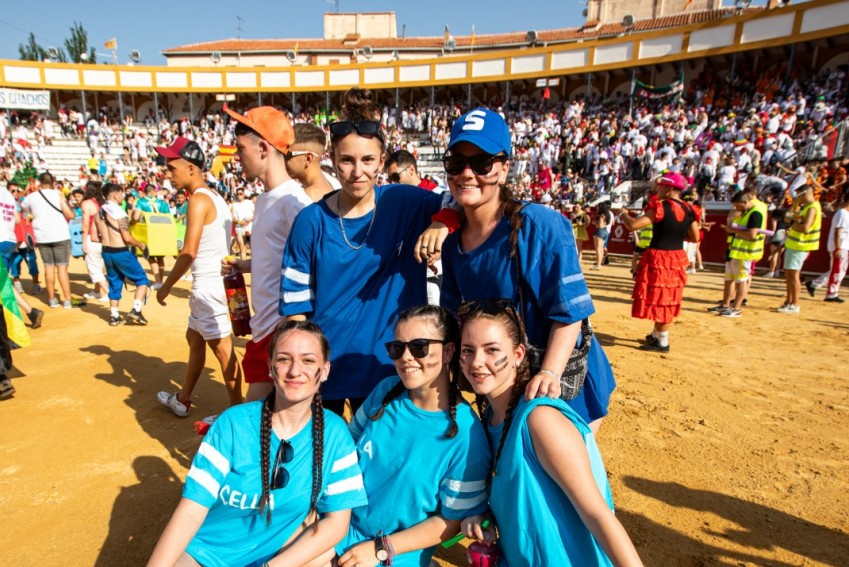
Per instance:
x=483, y=554
x=237, y=303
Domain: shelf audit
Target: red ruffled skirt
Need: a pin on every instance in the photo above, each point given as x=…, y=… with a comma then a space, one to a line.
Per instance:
x=659, y=285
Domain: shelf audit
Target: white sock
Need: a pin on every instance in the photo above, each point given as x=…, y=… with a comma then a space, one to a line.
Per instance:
x=137, y=305
x=114, y=311
x=663, y=338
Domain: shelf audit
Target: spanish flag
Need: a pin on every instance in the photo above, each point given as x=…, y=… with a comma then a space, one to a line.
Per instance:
x=111, y=44
x=11, y=312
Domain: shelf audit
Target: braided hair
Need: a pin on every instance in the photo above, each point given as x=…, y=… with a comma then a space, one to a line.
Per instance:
x=449, y=330
x=507, y=316
x=317, y=425
x=512, y=209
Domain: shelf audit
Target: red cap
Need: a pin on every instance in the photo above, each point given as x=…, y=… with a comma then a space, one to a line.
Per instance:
x=183, y=148
x=271, y=124
x=674, y=180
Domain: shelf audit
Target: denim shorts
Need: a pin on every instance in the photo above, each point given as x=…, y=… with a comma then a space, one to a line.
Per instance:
x=55, y=253
x=794, y=259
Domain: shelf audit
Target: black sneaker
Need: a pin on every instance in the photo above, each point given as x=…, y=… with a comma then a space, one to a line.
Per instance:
x=654, y=346
x=35, y=317
x=718, y=308
x=812, y=291
x=6, y=388
x=136, y=317
x=745, y=303
x=115, y=320
x=835, y=300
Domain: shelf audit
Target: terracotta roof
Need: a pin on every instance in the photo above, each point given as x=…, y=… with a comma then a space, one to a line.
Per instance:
x=313, y=45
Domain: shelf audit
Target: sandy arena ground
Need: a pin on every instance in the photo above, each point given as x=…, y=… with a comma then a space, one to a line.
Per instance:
x=731, y=450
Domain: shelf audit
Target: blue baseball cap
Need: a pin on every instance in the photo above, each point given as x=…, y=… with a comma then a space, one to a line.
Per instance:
x=483, y=128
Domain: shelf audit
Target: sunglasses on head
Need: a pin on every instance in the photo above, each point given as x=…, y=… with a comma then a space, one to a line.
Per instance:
x=488, y=307
x=280, y=476
x=363, y=128
x=481, y=164
x=419, y=348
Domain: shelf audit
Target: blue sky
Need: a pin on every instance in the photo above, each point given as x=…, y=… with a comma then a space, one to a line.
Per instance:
x=153, y=25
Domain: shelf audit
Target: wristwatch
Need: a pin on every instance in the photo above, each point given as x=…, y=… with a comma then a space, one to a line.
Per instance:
x=380, y=549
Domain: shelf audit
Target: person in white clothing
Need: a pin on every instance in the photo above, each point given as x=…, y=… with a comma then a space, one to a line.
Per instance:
x=270, y=150
x=838, y=249
x=50, y=215
x=243, y=216
x=207, y=242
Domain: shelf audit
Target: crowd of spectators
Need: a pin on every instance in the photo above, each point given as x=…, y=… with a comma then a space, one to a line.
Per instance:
x=720, y=133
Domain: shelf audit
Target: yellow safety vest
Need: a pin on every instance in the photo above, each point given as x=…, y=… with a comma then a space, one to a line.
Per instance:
x=644, y=236
x=743, y=248
x=805, y=241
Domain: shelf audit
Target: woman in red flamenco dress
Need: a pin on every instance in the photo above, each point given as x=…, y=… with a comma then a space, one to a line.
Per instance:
x=662, y=271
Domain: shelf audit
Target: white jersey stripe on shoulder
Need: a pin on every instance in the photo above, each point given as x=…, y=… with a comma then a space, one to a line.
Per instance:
x=464, y=503
x=347, y=485
x=212, y=455
x=298, y=296
x=467, y=486
x=571, y=278
x=206, y=480
x=345, y=462
x=296, y=276
x=580, y=299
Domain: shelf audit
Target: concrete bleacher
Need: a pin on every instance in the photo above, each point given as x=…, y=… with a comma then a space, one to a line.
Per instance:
x=66, y=156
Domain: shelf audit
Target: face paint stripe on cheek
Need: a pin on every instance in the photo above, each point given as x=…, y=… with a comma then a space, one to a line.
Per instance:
x=501, y=364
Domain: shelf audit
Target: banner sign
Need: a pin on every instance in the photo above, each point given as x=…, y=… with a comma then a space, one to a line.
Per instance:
x=643, y=90
x=24, y=100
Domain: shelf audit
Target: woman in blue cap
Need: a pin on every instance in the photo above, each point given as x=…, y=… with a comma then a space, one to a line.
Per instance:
x=524, y=253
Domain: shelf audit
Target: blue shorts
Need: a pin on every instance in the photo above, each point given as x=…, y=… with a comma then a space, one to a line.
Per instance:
x=122, y=265
x=602, y=233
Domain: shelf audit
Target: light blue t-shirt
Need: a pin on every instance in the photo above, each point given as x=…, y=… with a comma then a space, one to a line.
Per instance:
x=537, y=524
x=413, y=471
x=226, y=478
x=356, y=295
x=553, y=288
x=148, y=205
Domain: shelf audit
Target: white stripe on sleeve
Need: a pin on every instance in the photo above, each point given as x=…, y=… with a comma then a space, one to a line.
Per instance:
x=212, y=455
x=298, y=296
x=347, y=485
x=467, y=486
x=464, y=503
x=344, y=462
x=296, y=276
x=205, y=479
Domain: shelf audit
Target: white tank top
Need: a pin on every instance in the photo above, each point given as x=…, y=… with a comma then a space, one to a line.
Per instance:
x=214, y=244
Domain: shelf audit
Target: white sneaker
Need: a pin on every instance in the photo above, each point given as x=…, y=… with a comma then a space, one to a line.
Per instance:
x=210, y=419
x=789, y=309
x=89, y=296
x=156, y=286
x=691, y=271
x=103, y=299
x=170, y=400
x=769, y=275
x=54, y=303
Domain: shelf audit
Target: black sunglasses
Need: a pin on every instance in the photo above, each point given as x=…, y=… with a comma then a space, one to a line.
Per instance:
x=363, y=128
x=394, y=178
x=481, y=164
x=280, y=476
x=419, y=348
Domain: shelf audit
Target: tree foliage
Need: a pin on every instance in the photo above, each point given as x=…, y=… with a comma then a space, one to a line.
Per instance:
x=31, y=50
x=75, y=46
